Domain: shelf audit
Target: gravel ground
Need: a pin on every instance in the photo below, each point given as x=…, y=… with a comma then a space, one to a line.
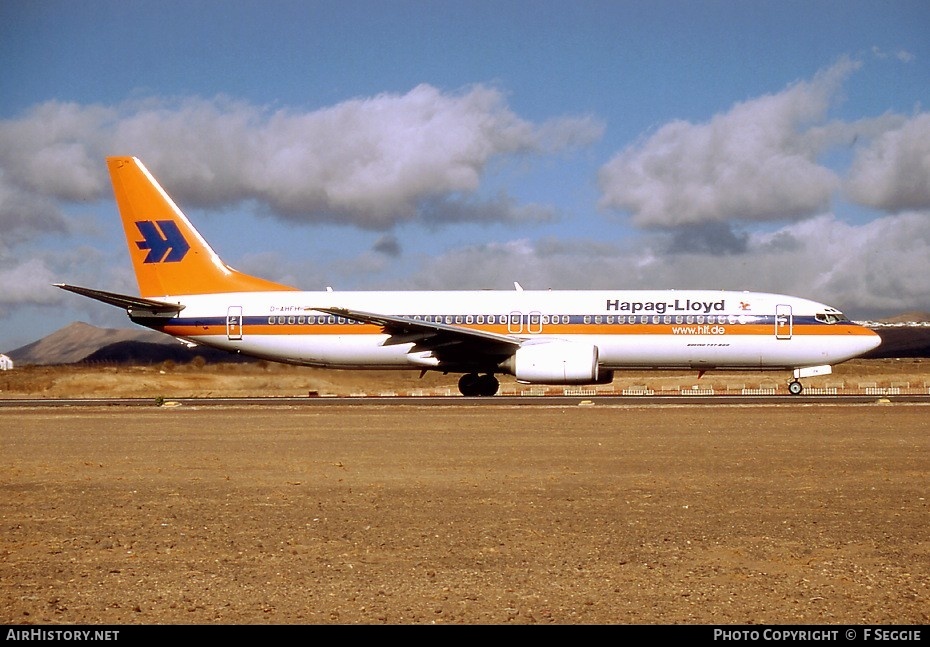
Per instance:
x=449, y=514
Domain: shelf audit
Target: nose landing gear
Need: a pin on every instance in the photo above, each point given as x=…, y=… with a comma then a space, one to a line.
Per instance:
x=795, y=387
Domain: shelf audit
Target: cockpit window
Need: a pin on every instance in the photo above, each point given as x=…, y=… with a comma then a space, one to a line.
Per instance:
x=831, y=317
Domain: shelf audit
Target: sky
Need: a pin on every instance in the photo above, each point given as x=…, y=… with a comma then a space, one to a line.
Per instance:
x=775, y=146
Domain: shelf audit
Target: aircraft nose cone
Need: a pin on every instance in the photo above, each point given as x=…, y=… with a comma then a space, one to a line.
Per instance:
x=871, y=341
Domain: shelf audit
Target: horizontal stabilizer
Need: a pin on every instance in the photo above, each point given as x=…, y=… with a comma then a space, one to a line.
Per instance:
x=125, y=301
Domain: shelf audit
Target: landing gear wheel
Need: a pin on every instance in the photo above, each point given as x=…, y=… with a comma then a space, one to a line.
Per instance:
x=795, y=387
x=472, y=384
x=487, y=385
x=468, y=384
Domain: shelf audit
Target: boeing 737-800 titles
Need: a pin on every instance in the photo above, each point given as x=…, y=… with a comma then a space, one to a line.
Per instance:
x=539, y=337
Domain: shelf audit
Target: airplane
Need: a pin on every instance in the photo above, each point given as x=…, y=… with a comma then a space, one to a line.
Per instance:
x=552, y=337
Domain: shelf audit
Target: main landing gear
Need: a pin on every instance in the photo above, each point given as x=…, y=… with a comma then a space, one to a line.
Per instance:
x=472, y=384
x=795, y=387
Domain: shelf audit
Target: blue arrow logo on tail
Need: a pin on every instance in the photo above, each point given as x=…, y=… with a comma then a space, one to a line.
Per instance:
x=163, y=239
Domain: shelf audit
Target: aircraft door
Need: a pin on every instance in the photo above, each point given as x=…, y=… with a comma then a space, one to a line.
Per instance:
x=515, y=322
x=784, y=321
x=234, y=323
x=534, y=322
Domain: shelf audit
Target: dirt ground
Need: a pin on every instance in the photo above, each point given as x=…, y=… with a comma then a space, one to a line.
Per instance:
x=335, y=513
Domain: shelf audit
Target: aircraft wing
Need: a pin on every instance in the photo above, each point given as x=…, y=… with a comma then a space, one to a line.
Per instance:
x=132, y=304
x=449, y=343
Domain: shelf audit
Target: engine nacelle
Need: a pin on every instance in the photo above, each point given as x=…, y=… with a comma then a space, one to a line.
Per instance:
x=556, y=362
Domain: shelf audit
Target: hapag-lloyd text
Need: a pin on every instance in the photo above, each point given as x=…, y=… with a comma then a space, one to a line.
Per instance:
x=661, y=307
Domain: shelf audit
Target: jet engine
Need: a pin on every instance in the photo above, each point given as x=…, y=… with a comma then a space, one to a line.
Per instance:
x=556, y=362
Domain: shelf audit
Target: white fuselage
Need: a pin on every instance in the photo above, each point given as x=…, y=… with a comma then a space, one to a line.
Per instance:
x=695, y=329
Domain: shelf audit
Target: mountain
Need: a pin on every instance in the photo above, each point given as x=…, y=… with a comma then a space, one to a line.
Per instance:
x=76, y=341
x=907, y=318
x=145, y=352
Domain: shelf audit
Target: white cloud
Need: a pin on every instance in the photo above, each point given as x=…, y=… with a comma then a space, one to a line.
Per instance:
x=892, y=173
x=752, y=163
x=369, y=162
x=56, y=150
x=26, y=282
x=902, y=54
x=871, y=269
x=24, y=214
x=761, y=161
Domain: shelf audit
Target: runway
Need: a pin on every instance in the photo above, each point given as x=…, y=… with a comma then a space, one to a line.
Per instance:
x=462, y=401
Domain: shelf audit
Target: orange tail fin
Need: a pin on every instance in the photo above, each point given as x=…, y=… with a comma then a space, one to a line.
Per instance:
x=168, y=255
